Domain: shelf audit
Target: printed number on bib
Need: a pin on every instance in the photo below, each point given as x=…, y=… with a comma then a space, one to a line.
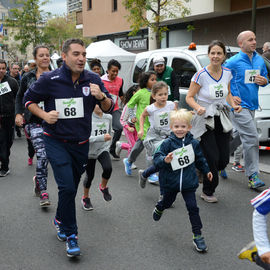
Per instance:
x=99, y=128
x=4, y=88
x=250, y=75
x=69, y=108
x=162, y=119
x=182, y=157
x=218, y=90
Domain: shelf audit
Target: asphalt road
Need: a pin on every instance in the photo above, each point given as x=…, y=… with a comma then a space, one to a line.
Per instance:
x=121, y=234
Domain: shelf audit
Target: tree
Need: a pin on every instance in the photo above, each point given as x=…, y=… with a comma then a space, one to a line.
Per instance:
x=28, y=21
x=151, y=14
x=60, y=28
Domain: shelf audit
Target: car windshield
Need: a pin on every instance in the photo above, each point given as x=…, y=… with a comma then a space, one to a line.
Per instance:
x=204, y=59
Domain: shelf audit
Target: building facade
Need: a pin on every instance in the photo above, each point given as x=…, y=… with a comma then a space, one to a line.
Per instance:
x=211, y=19
x=74, y=6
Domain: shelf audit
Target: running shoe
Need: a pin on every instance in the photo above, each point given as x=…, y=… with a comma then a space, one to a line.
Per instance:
x=36, y=189
x=199, y=243
x=248, y=252
x=127, y=166
x=72, y=246
x=142, y=180
x=238, y=167
x=223, y=174
x=114, y=156
x=106, y=194
x=153, y=179
x=30, y=161
x=157, y=214
x=118, y=148
x=86, y=204
x=255, y=182
x=133, y=166
x=210, y=199
x=61, y=236
x=4, y=173
x=44, y=199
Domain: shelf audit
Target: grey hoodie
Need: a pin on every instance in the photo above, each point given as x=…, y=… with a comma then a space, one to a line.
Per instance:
x=100, y=126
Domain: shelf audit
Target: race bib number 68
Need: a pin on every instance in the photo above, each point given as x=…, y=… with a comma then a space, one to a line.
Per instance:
x=182, y=157
x=69, y=107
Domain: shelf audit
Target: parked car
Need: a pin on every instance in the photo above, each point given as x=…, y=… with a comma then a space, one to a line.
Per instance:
x=186, y=61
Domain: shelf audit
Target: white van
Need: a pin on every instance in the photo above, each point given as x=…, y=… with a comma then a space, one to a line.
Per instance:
x=186, y=61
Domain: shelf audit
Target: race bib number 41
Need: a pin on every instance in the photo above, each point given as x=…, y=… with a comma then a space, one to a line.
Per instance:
x=250, y=75
x=69, y=108
x=182, y=157
x=4, y=88
x=218, y=90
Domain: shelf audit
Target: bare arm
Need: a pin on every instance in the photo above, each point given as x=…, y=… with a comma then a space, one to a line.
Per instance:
x=193, y=90
x=142, y=119
x=231, y=100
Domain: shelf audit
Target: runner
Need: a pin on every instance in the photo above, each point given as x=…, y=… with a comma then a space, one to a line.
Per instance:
x=98, y=150
x=70, y=95
x=8, y=91
x=249, y=72
x=212, y=124
x=33, y=127
x=114, y=85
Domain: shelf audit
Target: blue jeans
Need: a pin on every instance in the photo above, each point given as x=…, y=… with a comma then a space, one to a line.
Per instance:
x=191, y=205
x=68, y=161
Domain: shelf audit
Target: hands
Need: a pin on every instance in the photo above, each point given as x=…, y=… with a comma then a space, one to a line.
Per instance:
x=238, y=108
x=266, y=257
x=130, y=129
x=140, y=134
x=134, y=120
x=201, y=110
x=51, y=117
x=210, y=176
x=237, y=100
x=260, y=80
x=168, y=158
x=19, y=120
x=95, y=91
x=107, y=137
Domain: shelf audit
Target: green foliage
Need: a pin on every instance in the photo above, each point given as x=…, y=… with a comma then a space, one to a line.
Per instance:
x=28, y=22
x=59, y=29
x=151, y=13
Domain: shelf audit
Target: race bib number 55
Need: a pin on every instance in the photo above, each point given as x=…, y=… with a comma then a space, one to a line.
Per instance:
x=217, y=91
x=69, y=108
x=182, y=157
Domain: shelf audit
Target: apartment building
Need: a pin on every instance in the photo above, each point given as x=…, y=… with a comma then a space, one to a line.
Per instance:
x=211, y=19
x=74, y=6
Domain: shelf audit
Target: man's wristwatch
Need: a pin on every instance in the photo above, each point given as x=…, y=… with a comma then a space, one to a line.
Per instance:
x=104, y=97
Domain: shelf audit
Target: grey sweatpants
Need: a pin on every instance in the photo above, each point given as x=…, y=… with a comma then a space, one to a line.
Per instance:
x=238, y=153
x=244, y=123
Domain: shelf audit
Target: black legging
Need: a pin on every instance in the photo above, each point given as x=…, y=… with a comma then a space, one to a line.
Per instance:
x=31, y=150
x=105, y=161
x=216, y=148
x=117, y=127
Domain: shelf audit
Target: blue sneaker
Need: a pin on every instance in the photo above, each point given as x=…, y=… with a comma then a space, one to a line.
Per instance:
x=199, y=243
x=255, y=182
x=223, y=174
x=153, y=179
x=127, y=165
x=61, y=236
x=72, y=246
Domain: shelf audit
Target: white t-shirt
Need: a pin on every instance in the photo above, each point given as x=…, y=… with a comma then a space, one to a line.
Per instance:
x=160, y=117
x=212, y=90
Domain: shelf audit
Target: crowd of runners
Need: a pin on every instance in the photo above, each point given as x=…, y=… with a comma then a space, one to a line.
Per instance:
x=73, y=117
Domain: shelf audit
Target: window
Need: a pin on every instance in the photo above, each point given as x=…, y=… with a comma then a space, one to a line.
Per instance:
x=5, y=32
x=184, y=71
x=114, y=3
x=139, y=68
x=89, y=4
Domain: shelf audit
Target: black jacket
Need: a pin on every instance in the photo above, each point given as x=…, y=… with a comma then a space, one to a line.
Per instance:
x=7, y=100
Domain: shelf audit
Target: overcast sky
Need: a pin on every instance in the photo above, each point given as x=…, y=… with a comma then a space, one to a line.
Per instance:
x=58, y=7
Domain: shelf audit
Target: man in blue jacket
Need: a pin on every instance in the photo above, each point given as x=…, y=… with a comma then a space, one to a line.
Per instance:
x=70, y=95
x=249, y=72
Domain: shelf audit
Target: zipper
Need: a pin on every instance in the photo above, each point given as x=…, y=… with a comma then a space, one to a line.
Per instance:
x=181, y=173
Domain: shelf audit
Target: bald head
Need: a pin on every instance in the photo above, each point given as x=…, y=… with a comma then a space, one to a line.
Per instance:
x=246, y=40
x=266, y=47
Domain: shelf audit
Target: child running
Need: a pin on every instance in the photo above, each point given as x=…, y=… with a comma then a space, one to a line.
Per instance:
x=128, y=125
x=158, y=116
x=98, y=150
x=140, y=99
x=177, y=160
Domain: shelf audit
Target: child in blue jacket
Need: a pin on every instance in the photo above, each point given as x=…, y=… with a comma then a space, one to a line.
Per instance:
x=177, y=159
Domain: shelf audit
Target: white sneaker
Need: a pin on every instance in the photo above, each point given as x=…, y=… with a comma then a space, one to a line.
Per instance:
x=133, y=166
x=118, y=148
x=210, y=199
